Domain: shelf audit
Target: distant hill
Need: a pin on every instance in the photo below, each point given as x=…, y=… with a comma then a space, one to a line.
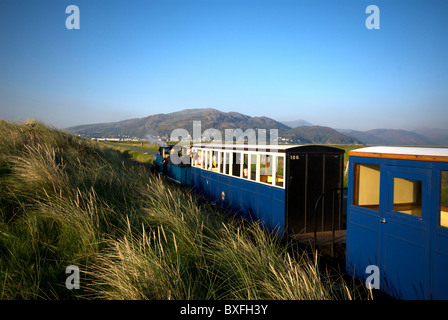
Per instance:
x=438, y=137
x=297, y=123
x=320, y=135
x=427, y=137
x=161, y=125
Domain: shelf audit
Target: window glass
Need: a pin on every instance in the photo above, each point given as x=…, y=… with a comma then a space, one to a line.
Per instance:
x=444, y=199
x=366, y=189
x=219, y=161
x=223, y=162
x=193, y=160
x=408, y=196
x=214, y=161
x=279, y=177
x=226, y=163
x=198, y=159
x=253, y=167
x=265, y=168
x=229, y=162
x=166, y=153
x=207, y=159
x=245, y=165
x=236, y=167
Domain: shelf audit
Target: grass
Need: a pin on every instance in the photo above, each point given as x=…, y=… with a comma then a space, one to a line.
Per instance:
x=137, y=144
x=139, y=156
x=71, y=201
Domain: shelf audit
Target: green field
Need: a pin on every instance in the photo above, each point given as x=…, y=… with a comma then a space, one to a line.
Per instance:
x=139, y=156
x=136, y=144
x=71, y=201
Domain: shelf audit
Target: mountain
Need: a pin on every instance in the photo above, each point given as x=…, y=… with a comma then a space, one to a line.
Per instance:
x=319, y=135
x=365, y=137
x=163, y=124
x=297, y=123
x=431, y=137
x=437, y=136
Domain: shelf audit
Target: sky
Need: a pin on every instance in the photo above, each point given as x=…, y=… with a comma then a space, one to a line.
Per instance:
x=285, y=59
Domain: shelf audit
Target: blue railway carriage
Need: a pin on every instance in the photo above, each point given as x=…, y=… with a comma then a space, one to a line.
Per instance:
x=164, y=153
x=179, y=173
x=397, y=220
x=277, y=185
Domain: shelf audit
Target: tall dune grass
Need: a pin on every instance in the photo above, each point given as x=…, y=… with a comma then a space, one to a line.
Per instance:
x=70, y=201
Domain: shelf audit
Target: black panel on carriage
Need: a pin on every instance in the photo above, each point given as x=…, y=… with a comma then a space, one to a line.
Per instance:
x=311, y=171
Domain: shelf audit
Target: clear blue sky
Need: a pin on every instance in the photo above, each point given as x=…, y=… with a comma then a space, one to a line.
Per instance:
x=288, y=60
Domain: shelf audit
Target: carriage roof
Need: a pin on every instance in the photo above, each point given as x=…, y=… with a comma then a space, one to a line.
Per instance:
x=281, y=148
x=404, y=153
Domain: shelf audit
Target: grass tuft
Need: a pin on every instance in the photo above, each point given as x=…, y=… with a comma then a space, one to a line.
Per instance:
x=71, y=201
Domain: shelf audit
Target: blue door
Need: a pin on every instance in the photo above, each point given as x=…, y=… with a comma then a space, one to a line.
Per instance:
x=363, y=216
x=404, y=233
x=440, y=223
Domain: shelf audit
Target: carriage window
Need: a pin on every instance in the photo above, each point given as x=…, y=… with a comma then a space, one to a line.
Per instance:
x=408, y=196
x=250, y=166
x=253, y=167
x=366, y=191
x=265, y=169
x=223, y=163
x=279, y=176
x=245, y=165
x=219, y=159
x=229, y=162
x=193, y=160
x=207, y=159
x=165, y=153
x=226, y=163
x=214, y=161
x=204, y=155
x=197, y=158
x=204, y=159
x=236, y=166
x=444, y=199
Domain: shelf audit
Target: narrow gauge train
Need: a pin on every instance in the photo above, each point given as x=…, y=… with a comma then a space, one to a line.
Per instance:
x=276, y=185
x=397, y=208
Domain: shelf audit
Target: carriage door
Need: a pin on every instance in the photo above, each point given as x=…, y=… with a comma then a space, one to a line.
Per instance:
x=405, y=240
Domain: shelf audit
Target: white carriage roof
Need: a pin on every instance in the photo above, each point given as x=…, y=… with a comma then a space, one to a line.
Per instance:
x=245, y=146
x=406, y=153
x=281, y=148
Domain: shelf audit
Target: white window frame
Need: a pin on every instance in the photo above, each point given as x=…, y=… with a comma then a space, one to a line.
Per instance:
x=275, y=156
